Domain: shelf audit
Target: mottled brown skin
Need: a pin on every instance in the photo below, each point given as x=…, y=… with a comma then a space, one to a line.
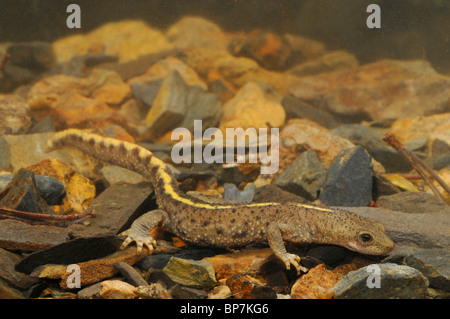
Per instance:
x=228, y=225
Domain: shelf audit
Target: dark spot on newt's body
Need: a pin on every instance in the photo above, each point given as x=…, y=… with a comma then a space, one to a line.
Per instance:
x=219, y=231
x=240, y=234
x=206, y=223
x=233, y=220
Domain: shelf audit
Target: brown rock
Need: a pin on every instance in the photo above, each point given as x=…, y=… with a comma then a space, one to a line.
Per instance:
x=16, y=235
x=116, y=289
x=109, y=87
x=127, y=39
x=15, y=115
x=304, y=49
x=7, y=292
x=240, y=111
x=434, y=127
x=247, y=287
x=195, y=32
x=318, y=283
x=7, y=272
x=407, y=87
x=314, y=137
x=247, y=261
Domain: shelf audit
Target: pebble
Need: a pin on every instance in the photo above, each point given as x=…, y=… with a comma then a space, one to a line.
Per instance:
x=396, y=282
x=191, y=273
x=32, y=55
x=304, y=176
x=153, y=291
x=440, y=154
x=116, y=289
x=7, y=272
x=7, y=292
x=131, y=274
x=349, y=180
x=15, y=115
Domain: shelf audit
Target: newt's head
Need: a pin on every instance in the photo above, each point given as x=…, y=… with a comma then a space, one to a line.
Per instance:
x=367, y=237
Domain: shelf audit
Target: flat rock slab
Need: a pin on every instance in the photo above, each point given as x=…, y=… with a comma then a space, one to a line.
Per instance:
x=17, y=235
x=116, y=208
x=8, y=260
x=71, y=252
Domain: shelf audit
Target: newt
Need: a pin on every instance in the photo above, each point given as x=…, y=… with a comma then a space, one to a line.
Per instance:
x=229, y=225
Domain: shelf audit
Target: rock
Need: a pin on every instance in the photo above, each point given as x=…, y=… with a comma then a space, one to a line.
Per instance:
x=220, y=292
x=238, y=71
x=240, y=111
x=190, y=273
x=130, y=273
x=433, y=126
x=401, y=182
x=349, y=180
x=247, y=287
x=201, y=105
x=115, y=174
x=47, y=124
x=17, y=235
x=303, y=177
x=182, y=292
x=272, y=193
x=233, y=193
x=382, y=186
x=318, y=283
x=49, y=188
x=329, y=62
x=80, y=191
x=269, y=49
x=433, y=264
x=304, y=49
x=312, y=136
x=38, y=56
x=391, y=160
x=109, y=87
x=246, y=261
x=7, y=272
x=81, y=250
x=24, y=196
x=116, y=208
x=357, y=94
x=153, y=291
x=127, y=39
x=419, y=230
x=116, y=289
x=440, y=154
x=196, y=32
x=299, y=109
x=15, y=115
x=396, y=281
x=7, y=292
x=169, y=106
x=413, y=202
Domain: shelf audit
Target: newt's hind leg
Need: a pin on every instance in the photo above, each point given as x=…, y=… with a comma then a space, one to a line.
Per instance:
x=139, y=231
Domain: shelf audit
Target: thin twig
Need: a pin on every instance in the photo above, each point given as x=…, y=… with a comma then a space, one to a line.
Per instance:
x=36, y=218
x=418, y=165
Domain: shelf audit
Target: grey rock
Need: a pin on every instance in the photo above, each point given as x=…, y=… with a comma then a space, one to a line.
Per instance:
x=440, y=154
x=146, y=92
x=413, y=202
x=349, y=179
x=304, y=177
x=182, y=292
x=233, y=193
x=272, y=193
x=32, y=55
x=395, y=282
x=433, y=264
x=391, y=160
x=130, y=273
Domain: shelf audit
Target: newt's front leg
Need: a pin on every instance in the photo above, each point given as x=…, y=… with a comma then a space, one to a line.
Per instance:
x=275, y=239
x=139, y=231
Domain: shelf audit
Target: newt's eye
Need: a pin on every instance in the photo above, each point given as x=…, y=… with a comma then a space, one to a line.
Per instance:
x=365, y=238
